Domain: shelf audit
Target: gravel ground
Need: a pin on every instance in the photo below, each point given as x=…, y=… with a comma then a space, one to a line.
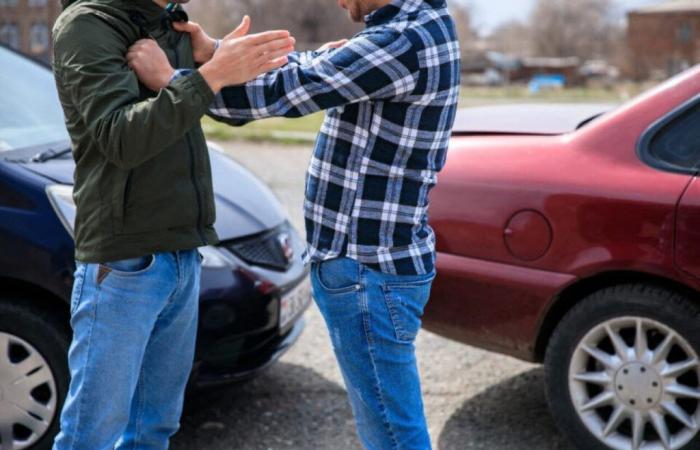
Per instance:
x=473, y=399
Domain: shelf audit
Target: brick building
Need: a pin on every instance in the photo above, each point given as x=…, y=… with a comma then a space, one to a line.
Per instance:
x=25, y=25
x=664, y=39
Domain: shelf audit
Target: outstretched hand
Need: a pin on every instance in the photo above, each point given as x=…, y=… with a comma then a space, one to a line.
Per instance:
x=240, y=58
x=203, y=46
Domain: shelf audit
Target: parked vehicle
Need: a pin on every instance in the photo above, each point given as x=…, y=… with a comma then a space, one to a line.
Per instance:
x=254, y=284
x=573, y=238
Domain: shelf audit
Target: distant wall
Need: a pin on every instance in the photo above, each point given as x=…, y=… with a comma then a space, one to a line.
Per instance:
x=26, y=25
x=662, y=44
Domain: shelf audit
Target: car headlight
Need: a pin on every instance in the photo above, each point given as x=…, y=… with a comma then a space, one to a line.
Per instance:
x=61, y=198
x=213, y=258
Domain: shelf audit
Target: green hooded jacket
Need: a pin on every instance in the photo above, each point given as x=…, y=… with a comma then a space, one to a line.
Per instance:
x=143, y=177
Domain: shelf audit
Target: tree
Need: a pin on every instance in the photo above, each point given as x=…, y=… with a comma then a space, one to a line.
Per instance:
x=468, y=37
x=583, y=28
x=312, y=22
x=513, y=38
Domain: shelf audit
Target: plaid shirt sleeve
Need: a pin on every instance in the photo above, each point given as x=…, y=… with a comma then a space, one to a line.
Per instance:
x=301, y=58
x=372, y=66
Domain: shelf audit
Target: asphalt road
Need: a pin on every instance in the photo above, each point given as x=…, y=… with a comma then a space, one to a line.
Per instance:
x=473, y=399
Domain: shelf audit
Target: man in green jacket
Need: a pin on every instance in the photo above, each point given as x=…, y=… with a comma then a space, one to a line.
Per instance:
x=145, y=203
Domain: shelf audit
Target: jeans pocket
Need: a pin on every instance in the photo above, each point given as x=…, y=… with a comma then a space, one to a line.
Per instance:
x=125, y=268
x=131, y=266
x=406, y=303
x=338, y=276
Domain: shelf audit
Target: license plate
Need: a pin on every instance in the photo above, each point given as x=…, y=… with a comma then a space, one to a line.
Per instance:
x=294, y=303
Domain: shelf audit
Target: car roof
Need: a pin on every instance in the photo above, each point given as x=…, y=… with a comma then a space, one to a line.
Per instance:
x=535, y=119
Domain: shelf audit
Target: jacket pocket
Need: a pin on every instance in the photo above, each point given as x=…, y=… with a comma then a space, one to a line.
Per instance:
x=406, y=303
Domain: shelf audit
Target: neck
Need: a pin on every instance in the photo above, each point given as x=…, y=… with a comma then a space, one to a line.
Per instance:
x=161, y=3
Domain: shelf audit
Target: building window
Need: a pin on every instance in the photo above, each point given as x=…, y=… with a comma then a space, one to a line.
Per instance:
x=685, y=33
x=9, y=35
x=39, y=38
x=8, y=3
x=37, y=3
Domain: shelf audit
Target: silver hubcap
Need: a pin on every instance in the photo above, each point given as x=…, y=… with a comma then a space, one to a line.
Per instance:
x=635, y=384
x=27, y=394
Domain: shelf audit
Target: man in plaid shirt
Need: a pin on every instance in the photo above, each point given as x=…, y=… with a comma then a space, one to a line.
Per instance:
x=390, y=95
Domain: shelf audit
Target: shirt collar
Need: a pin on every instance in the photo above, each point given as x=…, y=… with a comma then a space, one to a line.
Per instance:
x=398, y=8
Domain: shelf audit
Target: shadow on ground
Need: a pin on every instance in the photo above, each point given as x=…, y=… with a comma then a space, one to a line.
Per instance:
x=288, y=407
x=511, y=415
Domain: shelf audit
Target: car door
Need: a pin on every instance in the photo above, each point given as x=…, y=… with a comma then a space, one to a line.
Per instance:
x=674, y=145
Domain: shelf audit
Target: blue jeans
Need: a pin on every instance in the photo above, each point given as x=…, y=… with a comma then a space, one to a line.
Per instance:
x=134, y=330
x=373, y=319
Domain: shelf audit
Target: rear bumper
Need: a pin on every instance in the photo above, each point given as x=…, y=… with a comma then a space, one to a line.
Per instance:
x=497, y=307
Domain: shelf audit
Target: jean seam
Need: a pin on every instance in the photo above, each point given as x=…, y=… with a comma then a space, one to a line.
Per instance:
x=139, y=403
x=401, y=334
x=368, y=336
x=87, y=364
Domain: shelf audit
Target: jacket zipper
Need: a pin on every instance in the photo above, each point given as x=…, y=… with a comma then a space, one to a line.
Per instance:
x=193, y=159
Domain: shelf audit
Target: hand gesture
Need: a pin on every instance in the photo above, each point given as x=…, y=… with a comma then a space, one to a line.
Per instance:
x=242, y=58
x=203, y=46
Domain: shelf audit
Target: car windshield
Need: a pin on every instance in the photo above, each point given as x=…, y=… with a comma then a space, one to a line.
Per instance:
x=30, y=112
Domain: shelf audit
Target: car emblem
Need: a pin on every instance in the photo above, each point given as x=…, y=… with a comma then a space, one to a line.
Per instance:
x=285, y=242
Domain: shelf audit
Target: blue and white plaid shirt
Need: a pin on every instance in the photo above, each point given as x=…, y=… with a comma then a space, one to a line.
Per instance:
x=391, y=96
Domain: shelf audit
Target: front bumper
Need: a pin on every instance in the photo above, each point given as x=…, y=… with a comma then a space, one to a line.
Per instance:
x=239, y=322
x=204, y=376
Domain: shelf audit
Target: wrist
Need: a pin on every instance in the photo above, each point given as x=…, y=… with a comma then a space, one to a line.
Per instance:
x=212, y=76
x=167, y=77
x=212, y=47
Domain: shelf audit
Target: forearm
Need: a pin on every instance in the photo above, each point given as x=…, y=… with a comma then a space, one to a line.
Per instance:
x=335, y=78
x=132, y=135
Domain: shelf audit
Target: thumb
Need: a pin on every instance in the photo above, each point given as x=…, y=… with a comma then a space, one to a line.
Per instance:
x=242, y=29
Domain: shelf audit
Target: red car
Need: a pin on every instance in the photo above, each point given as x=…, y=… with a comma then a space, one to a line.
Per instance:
x=570, y=235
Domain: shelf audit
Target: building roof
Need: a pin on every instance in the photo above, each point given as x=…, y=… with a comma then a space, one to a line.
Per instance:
x=670, y=6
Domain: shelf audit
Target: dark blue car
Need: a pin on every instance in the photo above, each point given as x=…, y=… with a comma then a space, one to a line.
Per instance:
x=254, y=284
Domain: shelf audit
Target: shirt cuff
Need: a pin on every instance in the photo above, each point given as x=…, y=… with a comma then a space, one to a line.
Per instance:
x=180, y=73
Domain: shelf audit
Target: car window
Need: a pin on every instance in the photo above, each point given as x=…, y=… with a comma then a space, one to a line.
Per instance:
x=30, y=112
x=676, y=144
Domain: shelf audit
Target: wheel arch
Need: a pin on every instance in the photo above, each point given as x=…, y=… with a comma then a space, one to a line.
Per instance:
x=577, y=292
x=13, y=289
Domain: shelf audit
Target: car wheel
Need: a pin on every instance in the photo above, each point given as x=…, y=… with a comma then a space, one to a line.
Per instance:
x=33, y=375
x=622, y=371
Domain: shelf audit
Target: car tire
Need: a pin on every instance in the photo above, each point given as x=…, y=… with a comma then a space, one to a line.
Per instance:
x=47, y=333
x=597, y=414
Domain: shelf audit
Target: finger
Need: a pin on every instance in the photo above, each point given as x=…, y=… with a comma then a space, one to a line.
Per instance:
x=242, y=29
x=262, y=38
x=275, y=45
x=143, y=44
x=187, y=27
x=262, y=59
x=274, y=64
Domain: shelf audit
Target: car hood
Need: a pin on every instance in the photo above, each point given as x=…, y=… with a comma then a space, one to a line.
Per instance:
x=244, y=205
x=533, y=119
